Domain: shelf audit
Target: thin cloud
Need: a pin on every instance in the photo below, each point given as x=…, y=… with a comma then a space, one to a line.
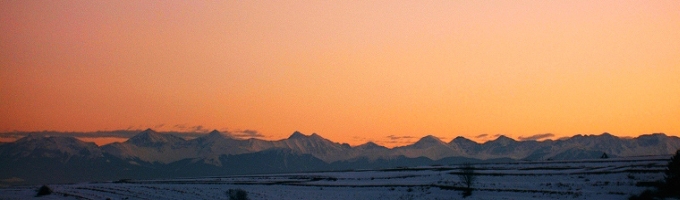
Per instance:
x=198, y=128
x=486, y=137
x=538, y=136
x=247, y=134
x=394, y=137
x=97, y=134
x=394, y=143
x=393, y=140
x=180, y=126
x=114, y=133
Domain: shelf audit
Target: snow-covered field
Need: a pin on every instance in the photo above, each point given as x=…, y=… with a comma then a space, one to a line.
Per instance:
x=582, y=179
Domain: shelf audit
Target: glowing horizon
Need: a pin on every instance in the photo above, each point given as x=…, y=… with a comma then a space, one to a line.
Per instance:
x=350, y=71
x=101, y=138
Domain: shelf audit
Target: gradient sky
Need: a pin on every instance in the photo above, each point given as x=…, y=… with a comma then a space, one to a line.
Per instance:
x=352, y=71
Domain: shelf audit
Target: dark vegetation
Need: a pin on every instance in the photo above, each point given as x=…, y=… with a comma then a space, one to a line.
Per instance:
x=44, y=190
x=669, y=188
x=237, y=194
x=672, y=187
x=467, y=177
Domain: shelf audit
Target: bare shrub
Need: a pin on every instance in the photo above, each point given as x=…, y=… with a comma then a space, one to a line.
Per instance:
x=237, y=194
x=467, y=177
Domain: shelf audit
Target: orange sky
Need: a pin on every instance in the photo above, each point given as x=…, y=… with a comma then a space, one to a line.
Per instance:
x=352, y=71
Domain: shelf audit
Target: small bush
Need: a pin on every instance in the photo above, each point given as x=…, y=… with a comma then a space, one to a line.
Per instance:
x=237, y=194
x=44, y=190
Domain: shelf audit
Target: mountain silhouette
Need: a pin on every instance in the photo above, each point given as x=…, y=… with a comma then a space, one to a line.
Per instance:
x=150, y=154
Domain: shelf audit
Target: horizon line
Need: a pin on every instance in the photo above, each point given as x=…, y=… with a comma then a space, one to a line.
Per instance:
x=125, y=134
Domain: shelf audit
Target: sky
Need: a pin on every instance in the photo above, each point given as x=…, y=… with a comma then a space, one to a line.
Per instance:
x=351, y=71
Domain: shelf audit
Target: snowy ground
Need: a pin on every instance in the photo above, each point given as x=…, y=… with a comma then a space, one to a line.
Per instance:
x=584, y=179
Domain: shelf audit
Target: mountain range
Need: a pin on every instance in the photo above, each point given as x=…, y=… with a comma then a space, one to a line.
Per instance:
x=149, y=154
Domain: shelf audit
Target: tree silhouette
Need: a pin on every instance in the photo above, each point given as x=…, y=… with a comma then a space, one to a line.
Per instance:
x=467, y=177
x=672, y=181
x=671, y=185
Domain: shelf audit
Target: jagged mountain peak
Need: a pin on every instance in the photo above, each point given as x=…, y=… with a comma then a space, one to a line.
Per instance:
x=503, y=137
x=430, y=138
x=606, y=135
x=149, y=130
x=297, y=135
x=146, y=133
x=503, y=140
x=463, y=142
x=53, y=139
x=69, y=145
x=371, y=145
x=213, y=135
x=461, y=139
x=427, y=141
x=151, y=137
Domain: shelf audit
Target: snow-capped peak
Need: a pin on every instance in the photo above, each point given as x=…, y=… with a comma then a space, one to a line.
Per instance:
x=370, y=145
x=429, y=138
x=68, y=145
x=461, y=139
x=151, y=137
x=428, y=141
x=502, y=140
x=212, y=136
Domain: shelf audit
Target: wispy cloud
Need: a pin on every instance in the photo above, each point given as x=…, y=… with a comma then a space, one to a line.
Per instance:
x=394, y=140
x=246, y=134
x=486, y=137
x=198, y=128
x=187, y=132
x=538, y=136
x=394, y=137
x=180, y=126
x=114, y=133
